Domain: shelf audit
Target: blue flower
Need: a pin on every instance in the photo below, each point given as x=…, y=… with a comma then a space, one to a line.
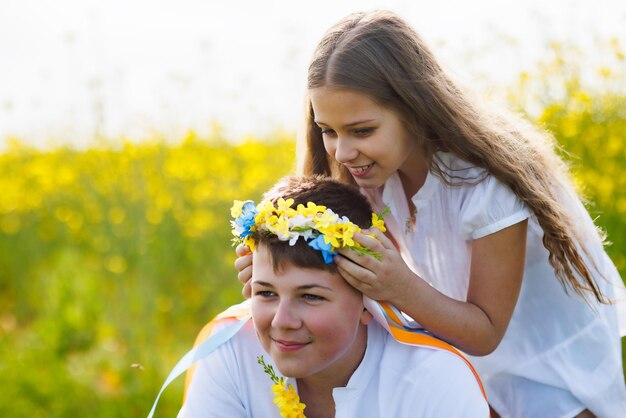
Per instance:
x=246, y=219
x=320, y=245
x=248, y=207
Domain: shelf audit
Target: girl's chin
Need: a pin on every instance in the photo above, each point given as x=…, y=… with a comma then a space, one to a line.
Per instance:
x=369, y=183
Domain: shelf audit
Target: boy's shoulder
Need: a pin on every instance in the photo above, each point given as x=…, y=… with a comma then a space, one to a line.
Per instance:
x=440, y=379
x=398, y=356
x=429, y=364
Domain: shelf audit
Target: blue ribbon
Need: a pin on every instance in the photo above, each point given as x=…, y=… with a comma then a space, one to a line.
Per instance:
x=198, y=353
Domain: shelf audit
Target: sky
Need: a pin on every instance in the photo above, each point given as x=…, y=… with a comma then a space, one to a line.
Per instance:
x=74, y=70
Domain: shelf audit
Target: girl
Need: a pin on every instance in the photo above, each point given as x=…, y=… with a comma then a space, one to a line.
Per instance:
x=490, y=248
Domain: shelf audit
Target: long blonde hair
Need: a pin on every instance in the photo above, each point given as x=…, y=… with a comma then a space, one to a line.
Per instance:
x=380, y=55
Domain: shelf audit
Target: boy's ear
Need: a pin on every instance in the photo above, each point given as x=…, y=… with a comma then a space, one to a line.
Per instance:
x=366, y=317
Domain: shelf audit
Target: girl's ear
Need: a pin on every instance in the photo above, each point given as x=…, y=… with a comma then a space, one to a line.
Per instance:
x=366, y=317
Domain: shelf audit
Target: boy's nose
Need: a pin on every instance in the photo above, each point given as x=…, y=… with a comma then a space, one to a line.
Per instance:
x=286, y=316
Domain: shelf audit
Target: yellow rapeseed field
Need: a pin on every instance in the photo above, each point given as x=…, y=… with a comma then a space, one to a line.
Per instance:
x=111, y=258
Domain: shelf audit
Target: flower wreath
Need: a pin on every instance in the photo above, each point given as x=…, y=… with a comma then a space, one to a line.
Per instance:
x=318, y=225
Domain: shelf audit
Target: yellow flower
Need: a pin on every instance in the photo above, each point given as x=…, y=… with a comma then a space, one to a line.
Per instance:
x=280, y=227
x=265, y=210
x=378, y=223
x=324, y=220
x=332, y=234
x=236, y=210
x=249, y=241
x=286, y=397
x=348, y=232
x=340, y=235
x=311, y=209
x=288, y=401
x=285, y=205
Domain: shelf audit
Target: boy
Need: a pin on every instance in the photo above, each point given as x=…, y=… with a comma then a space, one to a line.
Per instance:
x=314, y=328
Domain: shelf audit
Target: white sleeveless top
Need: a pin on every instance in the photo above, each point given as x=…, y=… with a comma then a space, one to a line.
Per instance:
x=559, y=354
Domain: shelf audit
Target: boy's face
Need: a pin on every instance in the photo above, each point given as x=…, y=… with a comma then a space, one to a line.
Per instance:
x=311, y=322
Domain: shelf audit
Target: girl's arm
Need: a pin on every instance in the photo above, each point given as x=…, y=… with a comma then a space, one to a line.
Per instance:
x=477, y=325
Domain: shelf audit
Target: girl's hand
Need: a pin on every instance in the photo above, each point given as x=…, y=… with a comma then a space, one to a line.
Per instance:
x=384, y=279
x=243, y=264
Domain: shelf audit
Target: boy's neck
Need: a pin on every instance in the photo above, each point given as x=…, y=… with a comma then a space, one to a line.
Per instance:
x=319, y=401
x=316, y=391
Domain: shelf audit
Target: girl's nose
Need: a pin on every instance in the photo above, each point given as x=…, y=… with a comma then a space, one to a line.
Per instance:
x=286, y=316
x=345, y=150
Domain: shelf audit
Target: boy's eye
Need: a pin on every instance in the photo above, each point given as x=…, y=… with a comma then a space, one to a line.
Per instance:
x=265, y=293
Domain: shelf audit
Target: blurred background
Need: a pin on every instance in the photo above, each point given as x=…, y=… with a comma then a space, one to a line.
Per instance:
x=128, y=127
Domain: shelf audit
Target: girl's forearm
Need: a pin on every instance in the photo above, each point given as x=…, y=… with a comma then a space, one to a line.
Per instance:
x=478, y=324
x=462, y=324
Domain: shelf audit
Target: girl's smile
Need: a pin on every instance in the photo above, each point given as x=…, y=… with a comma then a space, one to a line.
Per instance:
x=361, y=171
x=369, y=140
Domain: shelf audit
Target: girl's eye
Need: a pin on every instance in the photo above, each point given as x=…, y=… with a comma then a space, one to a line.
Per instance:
x=312, y=298
x=363, y=131
x=327, y=132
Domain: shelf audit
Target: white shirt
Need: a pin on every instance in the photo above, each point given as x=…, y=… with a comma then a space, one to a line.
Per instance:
x=559, y=355
x=393, y=380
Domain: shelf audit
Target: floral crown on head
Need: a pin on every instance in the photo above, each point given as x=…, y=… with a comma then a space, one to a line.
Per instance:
x=319, y=226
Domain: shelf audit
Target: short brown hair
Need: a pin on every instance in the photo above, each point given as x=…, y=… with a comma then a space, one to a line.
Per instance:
x=341, y=198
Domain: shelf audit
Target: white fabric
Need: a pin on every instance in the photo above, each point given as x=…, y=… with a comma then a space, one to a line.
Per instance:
x=559, y=355
x=393, y=380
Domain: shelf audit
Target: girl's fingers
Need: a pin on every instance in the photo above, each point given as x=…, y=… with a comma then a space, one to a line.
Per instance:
x=243, y=261
x=352, y=280
x=366, y=240
x=355, y=258
x=245, y=275
x=243, y=264
x=246, y=291
x=244, y=270
x=242, y=250
x=357, y=275
x=380, y=238
x=364, y=260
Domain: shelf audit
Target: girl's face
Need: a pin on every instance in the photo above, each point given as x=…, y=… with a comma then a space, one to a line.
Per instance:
x=369, y=140
x=311, y=322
